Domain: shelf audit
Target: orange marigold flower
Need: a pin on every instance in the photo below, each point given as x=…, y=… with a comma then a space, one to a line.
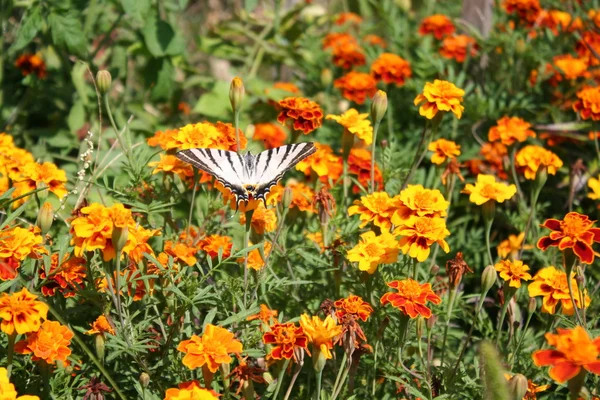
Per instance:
x=594, y=184
x=391, y=68
x=531, y=158
x=31, y=64
x=34, y=176
x=170, y=164
x=420, y=233
x=588, y=103
x=334, y=39
x=512, y=246
x=21, y=312
x=7, y=389
x=49, y=343
x=495, y=153
x=285, y=338
x=375, y=40
x=373, y=250
x=356, y=86
x=181, y=251
x=263, y=220
x=487, y=189
x=348, y=17
x=442, y=150
x=510, y=130
x=101, y=326
x=587, y=45
x=440, y=96
x=17, y=244
x=375, y=207
x=353, y=305
x=301, y=195
x=437, y=25
x=554, y=19
x=320, y=333
x=527, y=10
x=214, y=244
x=513, y=272
x=571, y=67
x=551, y=283
x=355, y=123
x=266, y=315
x=255, y=258
x=190, y=391
x=212, y=349
x=573, y=350
x=412, y=297
x=418, y=201
x=305, y=114
x=458, y=47
x=359, y=164
x=348, y=54
x=67, y=277
x=163, y=138
x=205, y=135
x=323, y=162
x=270, y=135
x=574, y=232
x=287, y=87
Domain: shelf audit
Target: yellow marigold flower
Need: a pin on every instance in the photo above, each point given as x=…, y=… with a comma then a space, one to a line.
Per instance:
x=50, y=343
x=265, y=315
x=411, y=298
x=373, y=250
x=437, y=25
x=173, y=165
x=255, y=259
x=263, y=220
x=375, y=207
x=190, y=391
x=458, y=47
x=355, y=123
x=420, y=233
x=391, y=68
x=594, y=184
x=302, y=195
x=7, y=389
x=101, y=326
x=212, y=349
x=487, y=189
x=512, y=246
x=440, y=96
x=442, y=150
x=510, y=130
x=305, y=114
x=513, y=272
x=551, y=283
x=320, y=333
x=530, y=158
x=415, y=200
x=213, y=244
x=356, y=86
x=181, y=251
x=270, y=135
x=21, y=312
x=67, y=277
x=163, y=138
x=16, y=244
x=324, y=163
x=34, y=176
x=588, y=103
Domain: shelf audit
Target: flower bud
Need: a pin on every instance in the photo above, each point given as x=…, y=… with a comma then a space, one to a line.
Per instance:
x=103, y=81
x=319, y=360
x=326, y=77
x=488, y=278
x=288, y=196
x=379, y=106
x=119, y=238
x=532, y=305
x=431, y=322
x=100, y=346
x=580, y=277
x=517, y=386
x=42, y=195
x=541, y=177
x=488, y=211
x=144, y=379
x=45, y=218
x=419, y=327
x=236, y=93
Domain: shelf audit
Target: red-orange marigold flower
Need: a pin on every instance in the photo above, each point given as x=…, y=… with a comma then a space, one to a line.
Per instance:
x=527, y=10
x=588, y=103
x=212, y=349
x=213, y=244
x=437, y=25
x=348, y=55
x=67, y=278
x=21, y=313
x=305, y=114
x=101, y=326
x=265, y=315
x=334, y=39
x=391, y=68
x=31, y=64
x=359, y=164
x=411, y=298
x=573, y=350
x=457, y=47
x=356, y=86
x=285, y=338
x=50, y=343
x=575, y=232
x=270, y=135
x=353, y=305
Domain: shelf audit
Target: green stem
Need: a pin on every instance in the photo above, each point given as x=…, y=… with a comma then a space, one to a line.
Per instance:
x=236, y=125
x=45, y=372
x=280, y=378
x=534, y=198
x=513, y=171
x=11, y=352
x=246, y=241
x=192, y=203
x=418, y=158
x=448, y=319
x=118, y=290
x=389, y=118
x=521, y=337
x=338, y=390
x=575, y=307
x=292, y=382
x=373, y=145
x=340, y=373
x=116, y=129
x=488, y=232
x=319, y=378
x=501, y=320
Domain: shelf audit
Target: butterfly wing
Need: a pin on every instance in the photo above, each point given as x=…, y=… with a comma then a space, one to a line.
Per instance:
x=227, y=167
x=270, y=165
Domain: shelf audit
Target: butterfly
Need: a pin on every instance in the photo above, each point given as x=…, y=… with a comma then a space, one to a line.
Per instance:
x=248, y=176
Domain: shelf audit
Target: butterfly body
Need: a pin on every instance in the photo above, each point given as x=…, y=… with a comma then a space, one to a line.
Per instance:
x=248, y=176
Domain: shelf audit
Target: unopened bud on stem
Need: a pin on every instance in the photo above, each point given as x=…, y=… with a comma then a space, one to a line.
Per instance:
x=488, y=278
x=45, y=217
x=379, y=106
x=103, y=81
x=236, y=94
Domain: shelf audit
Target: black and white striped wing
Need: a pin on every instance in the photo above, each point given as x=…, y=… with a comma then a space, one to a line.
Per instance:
x=227, y=167
x=270, y=165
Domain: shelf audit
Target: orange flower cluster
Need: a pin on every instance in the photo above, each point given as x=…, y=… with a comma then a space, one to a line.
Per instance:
x=555, y=19
x=17, y=244
x=528, y=11
x=512, y=246
x=437, y=25
x=510, y=130
x=348, y=54
x=588, y=103
x=265, y=315
x=212, y=349
x=270, y=135
x=200, y=135
x=305, y=114
x=356, y=86
x=67, y=277
x=21, y=313
x=443, y=150
x=256, y=261
x=531, y=158
x=285, y=339
x=214, y=244
x=49, y=343
x=391, y=68
x=334, y=39
x=375, y=40
x=324, y=163
x=569, y=67
x=551, y=283
x=440, y=96
x=588, y=45
x=31, y=64
x=574, y=232
x=359, y=164
x=190, y=391
x=411, y=298
x=458, y=47
x=170, y=164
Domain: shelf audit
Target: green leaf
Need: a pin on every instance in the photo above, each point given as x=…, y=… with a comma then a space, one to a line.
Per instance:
x=29, y=28
x=67, y=33
x=76, y=117
x=215, y=103
x=161, y=39
x=241, y=316
x=138, y=9
x=160, y=77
